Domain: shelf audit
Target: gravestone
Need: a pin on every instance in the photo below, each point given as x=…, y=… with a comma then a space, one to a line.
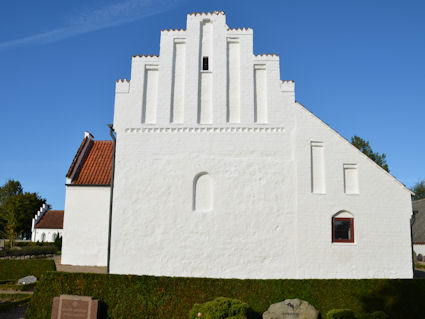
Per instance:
x=291, y=309
x=27, y=280
x=74, y=307
x=1, y=244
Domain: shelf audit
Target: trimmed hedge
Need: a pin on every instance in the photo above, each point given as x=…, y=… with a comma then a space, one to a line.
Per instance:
x=374, y=315
x=124, y=296
x=340, y=314
x=29, y=243
x=349, y=314
x=12, y=270
x=29, y=250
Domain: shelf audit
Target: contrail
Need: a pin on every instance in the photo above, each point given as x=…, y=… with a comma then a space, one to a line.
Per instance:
x=105, y=17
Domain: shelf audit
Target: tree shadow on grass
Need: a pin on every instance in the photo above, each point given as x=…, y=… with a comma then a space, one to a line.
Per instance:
x=400, y=298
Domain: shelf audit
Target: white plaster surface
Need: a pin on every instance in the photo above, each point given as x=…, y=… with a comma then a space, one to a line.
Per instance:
x=351, y=180
x=85, y=237
x=49, y=234
x=265, y=221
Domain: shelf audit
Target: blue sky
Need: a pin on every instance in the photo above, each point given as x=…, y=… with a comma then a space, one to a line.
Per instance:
x=358, y=65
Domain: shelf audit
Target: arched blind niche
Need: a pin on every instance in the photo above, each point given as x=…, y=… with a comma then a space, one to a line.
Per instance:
x=202, y=192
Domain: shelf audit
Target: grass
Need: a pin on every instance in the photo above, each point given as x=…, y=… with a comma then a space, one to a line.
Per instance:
x=13, y=286
x=10, y=301
x=11, y=270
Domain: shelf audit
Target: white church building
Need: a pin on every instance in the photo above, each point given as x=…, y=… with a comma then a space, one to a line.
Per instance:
x=220, y=172
x=47, y=225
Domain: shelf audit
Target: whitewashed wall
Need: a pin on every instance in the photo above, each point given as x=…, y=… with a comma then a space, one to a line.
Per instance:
x=240, y=124
x=381, y=210
x=156, y=227
x=85, y=237
x=49, y=233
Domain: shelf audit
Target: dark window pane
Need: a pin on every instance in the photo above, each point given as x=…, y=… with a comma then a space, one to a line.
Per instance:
x=342, y=229
x=205, y=63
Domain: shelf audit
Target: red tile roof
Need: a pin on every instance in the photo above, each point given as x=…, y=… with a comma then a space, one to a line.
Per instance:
x=51, y=219
x=96, y=166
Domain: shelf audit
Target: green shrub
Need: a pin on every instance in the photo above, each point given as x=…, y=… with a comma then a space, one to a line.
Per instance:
x=220, y=308
x=124, y=296
x=340, y=314
x=29, y=250
x=12, y=270
x=58, y=242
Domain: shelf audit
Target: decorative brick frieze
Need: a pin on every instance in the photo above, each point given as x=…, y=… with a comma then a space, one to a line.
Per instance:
x=205, y=129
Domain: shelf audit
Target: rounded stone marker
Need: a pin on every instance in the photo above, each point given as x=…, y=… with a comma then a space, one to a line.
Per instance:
x=291, y=309
x=27, y=280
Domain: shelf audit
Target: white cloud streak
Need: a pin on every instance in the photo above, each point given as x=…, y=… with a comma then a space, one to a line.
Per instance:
x=105, y=17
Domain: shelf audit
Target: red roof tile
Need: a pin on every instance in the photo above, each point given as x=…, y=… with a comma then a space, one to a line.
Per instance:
x=97, y=165
x=51, y=219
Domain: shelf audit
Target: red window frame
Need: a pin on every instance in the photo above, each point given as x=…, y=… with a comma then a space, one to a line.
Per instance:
x=335, y=240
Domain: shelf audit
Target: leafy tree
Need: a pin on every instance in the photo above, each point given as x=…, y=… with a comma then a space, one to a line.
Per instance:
x=11, y=224
x=365, y=148
x=419, y=190
x=9, y=189
x=27, y=205
x=17, y=208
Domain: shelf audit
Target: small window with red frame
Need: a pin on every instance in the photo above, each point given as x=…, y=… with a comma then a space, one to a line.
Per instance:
x=342, y=230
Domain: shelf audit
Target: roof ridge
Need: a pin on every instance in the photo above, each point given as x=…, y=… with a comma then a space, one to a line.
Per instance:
x=74, y=160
